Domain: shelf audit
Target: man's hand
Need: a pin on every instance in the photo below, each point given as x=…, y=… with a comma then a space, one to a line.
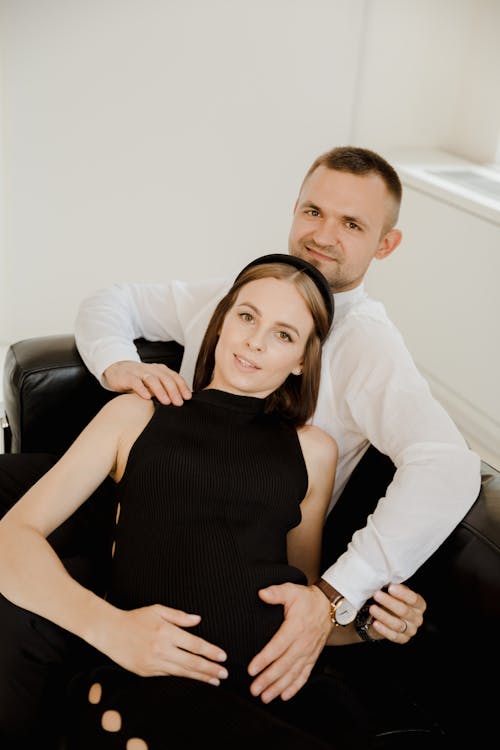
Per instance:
x=147, y=380
x=285, y=663
x=398, y=613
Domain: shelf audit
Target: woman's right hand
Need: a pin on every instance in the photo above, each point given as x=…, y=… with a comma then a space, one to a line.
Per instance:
x=151, y=641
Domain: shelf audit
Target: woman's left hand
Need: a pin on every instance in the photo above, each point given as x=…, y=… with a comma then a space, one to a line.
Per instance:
x=398, y=613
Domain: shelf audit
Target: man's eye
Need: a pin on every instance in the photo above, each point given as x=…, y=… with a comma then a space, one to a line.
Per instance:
x=312, y=212
x=352, y=225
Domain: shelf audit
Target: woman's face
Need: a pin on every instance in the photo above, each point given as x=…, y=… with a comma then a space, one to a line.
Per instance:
x=262, y=339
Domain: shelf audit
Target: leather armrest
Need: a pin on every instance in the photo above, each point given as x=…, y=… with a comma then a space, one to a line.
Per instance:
x=463, y=575
x=49, y=394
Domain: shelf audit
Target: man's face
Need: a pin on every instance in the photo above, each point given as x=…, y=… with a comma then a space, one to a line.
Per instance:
x=339, y=225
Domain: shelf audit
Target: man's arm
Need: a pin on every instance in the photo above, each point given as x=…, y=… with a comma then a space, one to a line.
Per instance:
x=109, y=320
x=383, y=397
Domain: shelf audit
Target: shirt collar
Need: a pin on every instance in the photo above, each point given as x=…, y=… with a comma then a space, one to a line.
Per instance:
x=345, y=300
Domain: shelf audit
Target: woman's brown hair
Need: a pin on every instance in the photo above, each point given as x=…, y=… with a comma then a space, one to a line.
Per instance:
x=296, y=398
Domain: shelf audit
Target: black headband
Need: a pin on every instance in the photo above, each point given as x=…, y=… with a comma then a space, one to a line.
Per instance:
x=301, y=265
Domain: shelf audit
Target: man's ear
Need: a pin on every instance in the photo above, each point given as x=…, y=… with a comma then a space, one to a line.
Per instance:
x=389, y=242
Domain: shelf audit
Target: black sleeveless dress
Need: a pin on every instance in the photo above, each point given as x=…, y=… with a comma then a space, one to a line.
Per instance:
x=209, y=493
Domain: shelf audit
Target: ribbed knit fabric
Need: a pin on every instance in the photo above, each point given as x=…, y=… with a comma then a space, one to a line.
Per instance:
x=209, y=492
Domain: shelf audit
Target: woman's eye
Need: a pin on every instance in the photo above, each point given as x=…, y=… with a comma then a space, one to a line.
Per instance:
x=284, y=336
x=248, y=317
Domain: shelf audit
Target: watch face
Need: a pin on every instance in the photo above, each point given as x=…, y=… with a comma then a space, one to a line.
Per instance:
x=344, y=612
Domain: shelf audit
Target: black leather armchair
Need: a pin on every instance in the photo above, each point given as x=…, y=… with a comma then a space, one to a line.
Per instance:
x=49, y=394
x=431, y=693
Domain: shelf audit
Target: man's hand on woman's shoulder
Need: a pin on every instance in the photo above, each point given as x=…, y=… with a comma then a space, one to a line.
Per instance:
x=147, y=380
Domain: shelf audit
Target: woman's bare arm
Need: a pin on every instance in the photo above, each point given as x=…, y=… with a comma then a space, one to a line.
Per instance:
x=149, y=640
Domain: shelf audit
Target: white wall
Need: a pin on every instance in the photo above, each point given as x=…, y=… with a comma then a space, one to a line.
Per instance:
x=411, y=71
x=149, y=139
x=441, y=289
x=475, y=126
x=144, y=139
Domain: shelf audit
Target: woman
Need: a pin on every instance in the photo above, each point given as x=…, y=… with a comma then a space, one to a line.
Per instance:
x=217, y=500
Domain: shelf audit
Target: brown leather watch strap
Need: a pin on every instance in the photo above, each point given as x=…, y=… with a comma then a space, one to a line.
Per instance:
x=331, y=594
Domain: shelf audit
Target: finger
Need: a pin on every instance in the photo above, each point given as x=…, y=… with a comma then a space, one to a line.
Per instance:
x=177, y=616
x=281, y=640
x=401, y=611
x=269, y=594
x=403, y=625
x=200, y=647
x=269, y=676
x=276, y=678
x=167, y=385
x=288, y=684
x=277, y=593
x=187, y=641
x=155, y=388
x=279, y=675
x=389, y=602
x=172, y=379
x=137, y=386
x=184, y=389
x=183, y=664
x=412, y=603
x=391, y=615
x=407, y=595
x=297, y=684
x=273, y=650
x=396, y=636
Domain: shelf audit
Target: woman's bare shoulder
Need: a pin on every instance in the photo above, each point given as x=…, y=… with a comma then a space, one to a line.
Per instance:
x=128, y=406
x=132, y=414
x=314, y=439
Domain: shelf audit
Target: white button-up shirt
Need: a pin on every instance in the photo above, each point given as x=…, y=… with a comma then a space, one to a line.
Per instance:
x=370, y=392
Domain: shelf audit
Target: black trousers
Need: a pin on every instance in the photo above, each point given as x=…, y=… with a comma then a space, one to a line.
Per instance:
x=177, y=712
x=37, y=658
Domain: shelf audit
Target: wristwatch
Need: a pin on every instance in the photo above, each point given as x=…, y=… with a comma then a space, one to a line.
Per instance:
x=342, y=612
x=363, y=621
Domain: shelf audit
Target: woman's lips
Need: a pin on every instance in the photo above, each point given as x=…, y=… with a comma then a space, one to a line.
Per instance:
x=246, y=363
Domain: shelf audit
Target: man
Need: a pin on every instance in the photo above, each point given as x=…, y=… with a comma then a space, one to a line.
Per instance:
x=371, y=394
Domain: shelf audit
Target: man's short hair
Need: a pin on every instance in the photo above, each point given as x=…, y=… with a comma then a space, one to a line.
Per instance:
x=362, y=161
